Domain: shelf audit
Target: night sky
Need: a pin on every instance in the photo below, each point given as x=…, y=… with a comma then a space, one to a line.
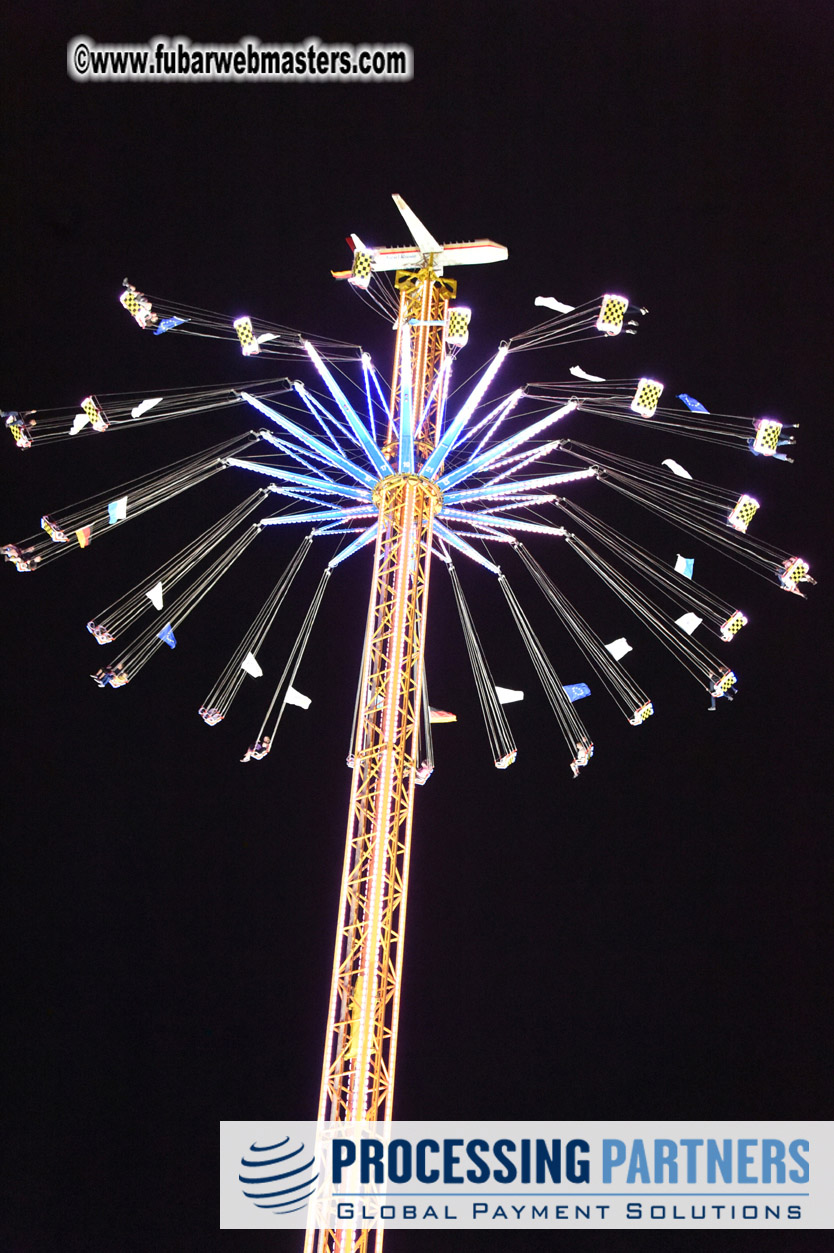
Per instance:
x=649, y=941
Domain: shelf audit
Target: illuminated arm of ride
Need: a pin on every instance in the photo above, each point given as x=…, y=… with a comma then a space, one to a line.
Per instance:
x=322, y=416
x=507, y=446
x=496, y=491
x=449, y=537
x=303, y=480
x=369, y=447
x=499, y=414
x=491, y=519
x=452, y=435
x=366, y=379
x=328, y=454
x=329, y=515
x=366, y=537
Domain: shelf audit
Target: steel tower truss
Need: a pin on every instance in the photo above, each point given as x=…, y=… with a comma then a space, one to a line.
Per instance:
x=424, y=302
x=361, y=1041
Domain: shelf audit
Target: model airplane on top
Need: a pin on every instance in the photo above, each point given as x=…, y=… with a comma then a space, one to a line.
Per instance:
x=367, y=260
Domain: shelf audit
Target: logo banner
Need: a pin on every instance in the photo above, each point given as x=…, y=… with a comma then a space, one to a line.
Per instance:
x=527, y=1175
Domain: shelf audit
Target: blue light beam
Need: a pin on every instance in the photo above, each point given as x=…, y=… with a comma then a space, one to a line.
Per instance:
x=452, y=435
x=368, y=446
x=305, y=437
x=500, y=450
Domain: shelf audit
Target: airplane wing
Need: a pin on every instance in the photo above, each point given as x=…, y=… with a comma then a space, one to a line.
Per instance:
x=422, y=237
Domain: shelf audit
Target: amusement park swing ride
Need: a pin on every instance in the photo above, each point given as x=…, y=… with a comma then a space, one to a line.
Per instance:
x=416, y=476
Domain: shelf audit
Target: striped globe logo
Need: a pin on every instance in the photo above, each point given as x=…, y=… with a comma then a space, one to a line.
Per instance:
x=280, y=1177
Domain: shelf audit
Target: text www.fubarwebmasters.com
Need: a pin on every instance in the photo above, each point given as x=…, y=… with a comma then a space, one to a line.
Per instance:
x=167, y=60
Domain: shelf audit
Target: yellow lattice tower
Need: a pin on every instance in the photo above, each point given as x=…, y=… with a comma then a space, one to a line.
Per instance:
x=361, y=1041
x=424, y=303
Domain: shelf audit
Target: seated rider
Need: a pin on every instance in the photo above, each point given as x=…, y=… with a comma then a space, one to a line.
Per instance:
x=19, y=557
x=144, y=313
x=100, y=632
x=423, y=772
x=118, y=675
x=115, y=675
x=792, y=571
x=767, y=452
x=19, y=426
x=258, y=750
x=715, y=691
x=584, y=753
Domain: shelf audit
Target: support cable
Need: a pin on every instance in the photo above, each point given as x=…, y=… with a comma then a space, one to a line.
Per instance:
x=264, y=742
x=608, y=315
x=701, y=664
x=218, y=702
x=688, y=510
x=498, y=729
x=77, y=525
x=122, y=411
x=116, y=618
x=721, y=616
x=426, y=744
x=570, y=724
x=623, y=400
x=629, y=697
x=255, y=336
x=162, y=631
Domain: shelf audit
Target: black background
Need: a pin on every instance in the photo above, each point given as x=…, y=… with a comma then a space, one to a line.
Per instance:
x=651, y=941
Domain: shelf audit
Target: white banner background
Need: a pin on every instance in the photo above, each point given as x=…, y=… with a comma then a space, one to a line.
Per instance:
x=654, y=1203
